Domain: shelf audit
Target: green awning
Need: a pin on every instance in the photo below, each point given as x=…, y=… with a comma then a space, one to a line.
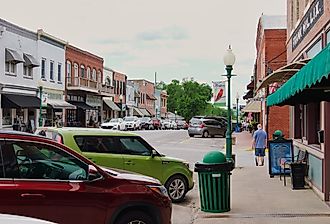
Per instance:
x=310, y=75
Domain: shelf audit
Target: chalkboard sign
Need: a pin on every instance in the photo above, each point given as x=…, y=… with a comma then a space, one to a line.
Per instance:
x=279, y=150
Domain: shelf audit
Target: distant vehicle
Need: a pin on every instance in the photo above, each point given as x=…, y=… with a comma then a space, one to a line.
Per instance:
x=206, y=127
x=132, y=123
x=146, y=123
x=128, y=151
x=44, y=179
x=156, y=123
x=166, y=124
x=174, y=125
x=115, y=124
x=182, y=124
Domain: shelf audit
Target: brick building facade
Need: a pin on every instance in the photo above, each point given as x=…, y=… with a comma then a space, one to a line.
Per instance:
x=119, y=85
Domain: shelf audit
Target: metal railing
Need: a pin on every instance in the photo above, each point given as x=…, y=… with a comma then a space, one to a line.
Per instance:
x=82, y=82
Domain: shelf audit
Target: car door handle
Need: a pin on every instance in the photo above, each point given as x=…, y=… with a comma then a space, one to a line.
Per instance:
x=129, y=163
x=27, y=195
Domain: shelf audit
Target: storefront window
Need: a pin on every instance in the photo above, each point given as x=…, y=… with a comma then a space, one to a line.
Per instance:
x=6, y=116
x=315, y=49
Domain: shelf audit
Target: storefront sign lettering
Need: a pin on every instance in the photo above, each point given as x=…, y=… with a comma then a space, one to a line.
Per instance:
x=307, y=22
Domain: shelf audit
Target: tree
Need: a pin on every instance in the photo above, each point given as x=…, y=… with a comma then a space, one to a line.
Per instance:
x=188, y=98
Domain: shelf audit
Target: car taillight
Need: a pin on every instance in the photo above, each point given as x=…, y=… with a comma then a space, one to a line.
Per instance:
x=202, y=125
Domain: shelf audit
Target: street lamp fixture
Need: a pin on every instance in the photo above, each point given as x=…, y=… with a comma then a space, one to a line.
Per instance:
x=121, y=105
x=175, y=115
x=229, y=61
x=237, y=99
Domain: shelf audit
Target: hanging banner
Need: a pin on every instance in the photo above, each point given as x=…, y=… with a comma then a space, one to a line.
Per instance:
x=44, y=99
x=219, y=89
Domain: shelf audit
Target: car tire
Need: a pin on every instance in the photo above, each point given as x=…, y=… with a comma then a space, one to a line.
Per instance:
x=205, y=134
x=212, y=136
x=135, y=217
x=177, y=188
x=191, y=135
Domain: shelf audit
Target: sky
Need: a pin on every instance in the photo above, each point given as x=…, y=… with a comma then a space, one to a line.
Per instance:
x=174, y=38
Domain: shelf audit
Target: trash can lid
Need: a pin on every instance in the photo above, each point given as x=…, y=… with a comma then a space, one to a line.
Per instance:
x=278, y=133
x=214, y=157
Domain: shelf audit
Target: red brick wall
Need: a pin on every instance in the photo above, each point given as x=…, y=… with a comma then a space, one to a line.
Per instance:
x=117, y=76
x=279, y=119
x=81, y=57
x=275, y=48
x=146, y=87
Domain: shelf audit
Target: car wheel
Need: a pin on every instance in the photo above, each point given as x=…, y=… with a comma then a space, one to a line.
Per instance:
x=118, y=128
x=191, y=135
x=212, y=136
x=134, y=217
x=205, y=134
x=177, y=188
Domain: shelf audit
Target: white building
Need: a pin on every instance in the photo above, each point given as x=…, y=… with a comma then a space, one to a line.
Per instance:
x=110, y=109
x=51, y=77
x=18, y=76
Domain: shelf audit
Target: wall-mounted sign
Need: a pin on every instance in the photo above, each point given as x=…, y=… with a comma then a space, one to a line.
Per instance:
x=308, y=21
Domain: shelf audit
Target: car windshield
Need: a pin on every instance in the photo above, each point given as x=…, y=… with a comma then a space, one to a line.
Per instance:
x=114, y=121
x=129, y=118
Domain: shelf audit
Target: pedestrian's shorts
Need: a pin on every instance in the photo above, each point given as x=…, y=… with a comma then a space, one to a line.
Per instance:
x=260, y=151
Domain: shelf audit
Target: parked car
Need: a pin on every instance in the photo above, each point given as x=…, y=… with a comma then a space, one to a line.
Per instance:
x=146, y=123
x=130, y=152
x=174, y=125
x=166, y=124
x=156, y=123
x=206, y=128
x=182, y=124
x=47, y=180
x=15, y=219
x=132, y=123
x=115, y=124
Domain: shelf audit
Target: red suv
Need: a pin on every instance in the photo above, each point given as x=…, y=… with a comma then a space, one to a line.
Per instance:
x=44, y=179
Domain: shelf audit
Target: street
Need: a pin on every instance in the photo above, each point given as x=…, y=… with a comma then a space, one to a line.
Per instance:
x=177, y=143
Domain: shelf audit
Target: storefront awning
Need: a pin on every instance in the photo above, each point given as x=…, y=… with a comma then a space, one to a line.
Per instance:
x=19, y=101
x=151, y=112
x=253, y=106
x=60, y=104
x=248, y=95
x=282, y=74
x=250, y=85
x=308, y=78
x=111, y=104
x=30, y=60
x=137, y=112
x=13, y=56
x=144, y=112
x=82, y=105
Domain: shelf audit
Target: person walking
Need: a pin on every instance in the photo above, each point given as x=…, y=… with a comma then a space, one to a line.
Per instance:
x=259, y=145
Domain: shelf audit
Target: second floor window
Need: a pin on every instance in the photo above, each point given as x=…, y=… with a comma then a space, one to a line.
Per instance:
x=89, y=73
x=59, y=72
x=43, y=68
x=82, y=71
x=28, y=71
x=94, y=75
x=51, y=70
x=10, y=67
x=68, y=71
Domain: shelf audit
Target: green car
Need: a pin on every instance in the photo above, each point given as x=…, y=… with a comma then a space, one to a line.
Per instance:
x=126, y=151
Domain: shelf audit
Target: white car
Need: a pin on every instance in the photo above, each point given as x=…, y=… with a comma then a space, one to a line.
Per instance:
x=132, y=123
x=166, y=124
x=15, y=219
x=115, y=124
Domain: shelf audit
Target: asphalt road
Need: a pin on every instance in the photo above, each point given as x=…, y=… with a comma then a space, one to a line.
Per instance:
x=177, y=143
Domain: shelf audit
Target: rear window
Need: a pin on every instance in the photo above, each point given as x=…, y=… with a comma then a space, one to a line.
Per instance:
x=195, y=121
x=97, y=144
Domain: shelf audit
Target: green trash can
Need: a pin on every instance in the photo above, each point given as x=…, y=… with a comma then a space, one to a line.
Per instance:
x=214, y=182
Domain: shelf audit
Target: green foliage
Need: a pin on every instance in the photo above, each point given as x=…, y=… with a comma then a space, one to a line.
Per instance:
x=215, y=111
x=188, y=98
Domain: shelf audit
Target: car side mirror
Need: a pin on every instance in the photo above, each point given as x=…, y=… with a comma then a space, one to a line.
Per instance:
x=154, y=153
x=93, y=173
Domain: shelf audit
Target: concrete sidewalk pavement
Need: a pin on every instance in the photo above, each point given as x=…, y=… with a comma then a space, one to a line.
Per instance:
x=257, y=198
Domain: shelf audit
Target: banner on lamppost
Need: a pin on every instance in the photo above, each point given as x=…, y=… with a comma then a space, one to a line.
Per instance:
x=218, y=91
x=44, y=99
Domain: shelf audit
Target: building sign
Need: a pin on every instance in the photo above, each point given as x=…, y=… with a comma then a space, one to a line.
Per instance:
x=308, y=21
x=219, y=97
x=44, y=99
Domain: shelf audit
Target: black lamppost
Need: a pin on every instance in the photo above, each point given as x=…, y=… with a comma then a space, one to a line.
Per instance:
x=175, y=115
x=121, y=105
x=229, y=60
x=237, y=99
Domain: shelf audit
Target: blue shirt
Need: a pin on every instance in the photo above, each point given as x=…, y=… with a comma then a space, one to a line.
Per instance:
x=260, y=137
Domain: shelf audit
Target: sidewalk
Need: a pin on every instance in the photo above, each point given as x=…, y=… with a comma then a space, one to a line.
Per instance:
x=257, y=198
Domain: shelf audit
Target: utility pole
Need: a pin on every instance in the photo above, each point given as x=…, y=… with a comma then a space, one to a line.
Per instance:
x=156, y=115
